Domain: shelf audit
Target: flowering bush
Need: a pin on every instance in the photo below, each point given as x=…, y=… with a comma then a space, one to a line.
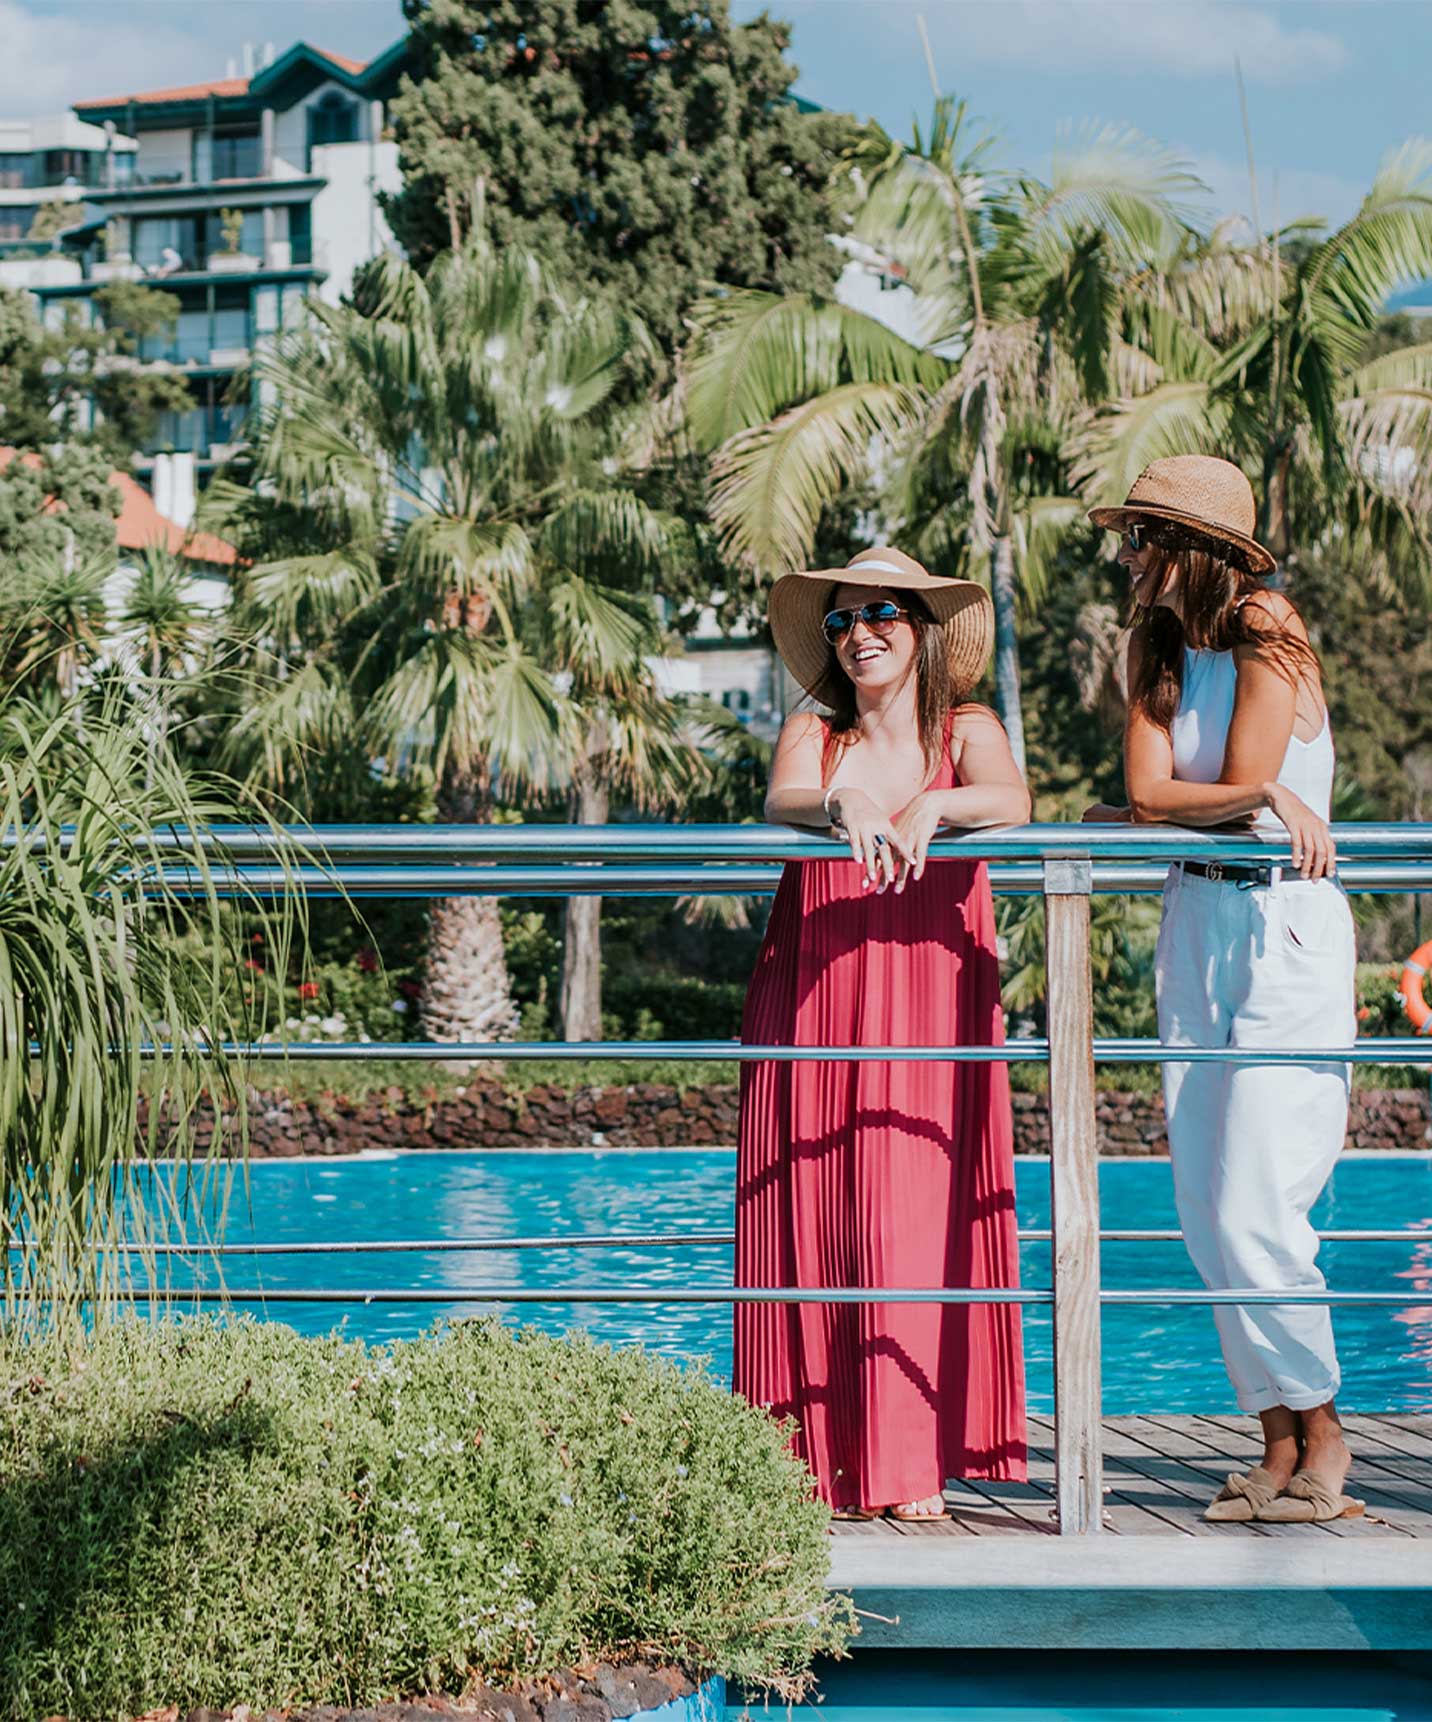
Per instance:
x=205, y=1513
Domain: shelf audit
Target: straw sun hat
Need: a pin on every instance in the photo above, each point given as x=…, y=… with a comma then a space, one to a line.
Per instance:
x=1207, y=504
x=799, y=602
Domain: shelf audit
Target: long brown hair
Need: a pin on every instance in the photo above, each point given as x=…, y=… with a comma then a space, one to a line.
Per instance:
x=936, y=694
x=1216, y=618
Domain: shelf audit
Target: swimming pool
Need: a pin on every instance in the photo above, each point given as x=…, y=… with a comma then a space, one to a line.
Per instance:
x=1155, y=1360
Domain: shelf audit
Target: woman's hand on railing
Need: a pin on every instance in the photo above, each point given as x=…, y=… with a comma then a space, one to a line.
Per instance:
x=875, y=844
x=916, y=823
x=1314, y=851
x=1101, y=813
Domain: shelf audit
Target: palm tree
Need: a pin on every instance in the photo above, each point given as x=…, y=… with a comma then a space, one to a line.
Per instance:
x=165, y=631
x=1018, y=288
x=633, y=744
x=53, y=618
x=456, y=445
x=1259, y=351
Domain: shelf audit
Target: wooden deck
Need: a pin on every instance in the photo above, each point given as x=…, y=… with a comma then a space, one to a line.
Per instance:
x=997, y=1572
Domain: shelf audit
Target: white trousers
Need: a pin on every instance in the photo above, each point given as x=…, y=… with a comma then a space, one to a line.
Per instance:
x=1253, y=1145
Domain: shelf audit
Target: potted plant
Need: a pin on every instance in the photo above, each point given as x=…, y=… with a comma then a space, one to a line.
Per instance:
x=231, y=256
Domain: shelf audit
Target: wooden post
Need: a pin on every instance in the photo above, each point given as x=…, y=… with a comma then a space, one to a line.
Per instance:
x=1074, y=1199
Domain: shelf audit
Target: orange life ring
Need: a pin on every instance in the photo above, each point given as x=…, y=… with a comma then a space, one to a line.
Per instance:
x=1409, y=989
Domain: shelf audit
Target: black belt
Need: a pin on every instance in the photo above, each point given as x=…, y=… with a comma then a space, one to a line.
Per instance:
x=1233, y=872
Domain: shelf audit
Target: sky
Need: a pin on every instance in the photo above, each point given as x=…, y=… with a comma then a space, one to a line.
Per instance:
x=1331, y=85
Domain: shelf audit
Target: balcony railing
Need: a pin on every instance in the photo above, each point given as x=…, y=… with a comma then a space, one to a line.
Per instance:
x=1066, y=864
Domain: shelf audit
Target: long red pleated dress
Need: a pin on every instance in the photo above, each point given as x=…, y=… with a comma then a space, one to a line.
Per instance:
x=880, y=1174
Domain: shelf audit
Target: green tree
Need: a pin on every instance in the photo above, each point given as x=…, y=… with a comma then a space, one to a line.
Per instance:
x=450, y=449
x=1018, y=292
x=82, y=380
x=648, y=148
x=1274, y=354
x=57, y=506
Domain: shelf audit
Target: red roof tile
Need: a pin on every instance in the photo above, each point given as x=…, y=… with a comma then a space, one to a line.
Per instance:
x=140, y=523
x=215, y=87
x=180, y=93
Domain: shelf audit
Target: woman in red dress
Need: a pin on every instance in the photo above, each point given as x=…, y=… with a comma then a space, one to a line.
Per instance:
x=876, y=1174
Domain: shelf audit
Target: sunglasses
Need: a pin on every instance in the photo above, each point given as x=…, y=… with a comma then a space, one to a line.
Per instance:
x=879, y=617
x=1136, y=536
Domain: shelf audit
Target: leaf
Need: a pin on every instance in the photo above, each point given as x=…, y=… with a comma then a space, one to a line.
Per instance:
x=772, y=482
x=754, y=354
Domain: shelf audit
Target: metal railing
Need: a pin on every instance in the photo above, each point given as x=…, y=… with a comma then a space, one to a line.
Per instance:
x=1065, y=864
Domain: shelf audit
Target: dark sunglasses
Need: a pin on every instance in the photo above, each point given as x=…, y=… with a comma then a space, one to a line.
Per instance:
x=1134, y=537
x=879, y=617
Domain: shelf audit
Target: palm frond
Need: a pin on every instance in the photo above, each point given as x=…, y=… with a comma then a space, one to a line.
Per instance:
x=772, y=482
x=753, y=354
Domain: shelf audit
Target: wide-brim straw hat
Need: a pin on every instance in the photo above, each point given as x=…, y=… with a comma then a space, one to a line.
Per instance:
x=799, y=602
x=1207, y=504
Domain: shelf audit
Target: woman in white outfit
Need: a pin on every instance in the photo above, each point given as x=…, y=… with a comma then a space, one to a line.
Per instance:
x=1227, y=727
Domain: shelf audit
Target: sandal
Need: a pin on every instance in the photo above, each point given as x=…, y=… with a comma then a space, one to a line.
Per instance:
x=853, y=1515
x=1242, y=1498
x=917, y=1518
x=1311, y=1499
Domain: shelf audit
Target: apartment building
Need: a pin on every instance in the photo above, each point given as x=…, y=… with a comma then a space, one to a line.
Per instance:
x=240, y=196
x=45, y=166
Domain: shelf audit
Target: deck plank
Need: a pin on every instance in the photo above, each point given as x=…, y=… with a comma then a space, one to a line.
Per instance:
x=1161, y=1471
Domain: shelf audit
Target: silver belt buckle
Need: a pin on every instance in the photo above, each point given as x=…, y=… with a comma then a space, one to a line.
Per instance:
x=1215, y=870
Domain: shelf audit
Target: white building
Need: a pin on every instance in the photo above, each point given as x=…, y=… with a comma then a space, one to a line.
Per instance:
x=241, y=196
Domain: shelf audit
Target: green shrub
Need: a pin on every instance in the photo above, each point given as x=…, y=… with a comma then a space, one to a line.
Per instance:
x=207, y=1513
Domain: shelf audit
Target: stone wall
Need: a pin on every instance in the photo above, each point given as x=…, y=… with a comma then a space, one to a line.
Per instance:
x=486, y=1115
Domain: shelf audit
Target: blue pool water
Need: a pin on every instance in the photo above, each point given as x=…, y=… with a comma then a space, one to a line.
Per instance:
x=1155, y=1360
x=1097, y=1686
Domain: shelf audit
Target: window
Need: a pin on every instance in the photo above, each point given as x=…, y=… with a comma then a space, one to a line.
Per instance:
x=15, y=223
x=63, y=164
x=332, y=119
x=300, y=232
x=16, y=172
x=235, y=152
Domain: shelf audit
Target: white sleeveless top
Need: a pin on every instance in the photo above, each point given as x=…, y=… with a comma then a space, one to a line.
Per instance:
x=1200, y=735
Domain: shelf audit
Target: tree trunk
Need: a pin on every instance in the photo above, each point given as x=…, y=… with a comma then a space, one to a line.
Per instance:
x=581, y=995
x=1273, y=516
x=1006, y=649
x=467, y=994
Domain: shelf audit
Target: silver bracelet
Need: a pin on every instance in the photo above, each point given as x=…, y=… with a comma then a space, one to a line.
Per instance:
x=830, y=818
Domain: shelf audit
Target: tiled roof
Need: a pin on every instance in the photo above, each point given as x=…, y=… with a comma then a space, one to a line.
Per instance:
x=140, y=523
x=180, y=93
x=215, y=87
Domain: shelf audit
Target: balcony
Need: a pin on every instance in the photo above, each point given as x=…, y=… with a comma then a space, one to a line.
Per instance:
x=209, y=432
x=210, y=161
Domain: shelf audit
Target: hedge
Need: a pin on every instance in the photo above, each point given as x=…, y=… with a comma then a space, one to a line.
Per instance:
x=211, y=1512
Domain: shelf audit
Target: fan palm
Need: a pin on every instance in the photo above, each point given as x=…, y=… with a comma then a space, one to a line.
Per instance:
x=454, y=443
x=1258, y=351
x=1018, y=288
x=165, y=631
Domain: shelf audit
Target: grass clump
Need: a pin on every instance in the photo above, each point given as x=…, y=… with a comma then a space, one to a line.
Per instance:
x=210, y=1512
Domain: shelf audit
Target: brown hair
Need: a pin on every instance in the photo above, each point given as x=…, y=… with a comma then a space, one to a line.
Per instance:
x=936, y=694
x=1216, y=618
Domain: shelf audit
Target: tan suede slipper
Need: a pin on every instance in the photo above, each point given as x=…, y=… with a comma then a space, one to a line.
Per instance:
x=1242, y=1498
x=1311, y=1499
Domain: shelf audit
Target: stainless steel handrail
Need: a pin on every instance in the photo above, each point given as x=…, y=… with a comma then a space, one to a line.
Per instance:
x=561, y=845
x=1065, y=863
x=617, y=1241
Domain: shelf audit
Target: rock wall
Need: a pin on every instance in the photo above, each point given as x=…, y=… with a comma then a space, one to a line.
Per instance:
x=486, y=1115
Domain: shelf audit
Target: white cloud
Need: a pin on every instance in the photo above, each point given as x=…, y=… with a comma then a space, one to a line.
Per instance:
x=1283, y=193
x=1132, y=38
x=55, y=58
